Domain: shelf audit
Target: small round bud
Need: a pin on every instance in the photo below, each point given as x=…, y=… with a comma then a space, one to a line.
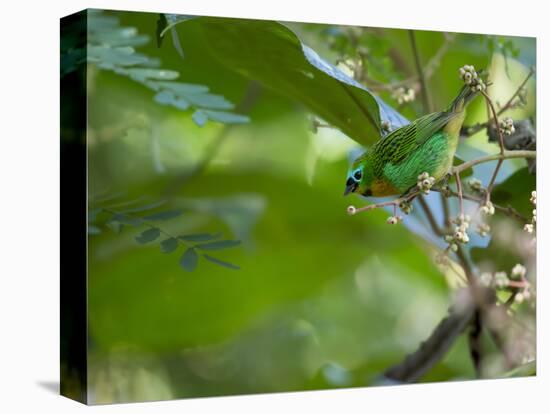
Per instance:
x=392, y=220
x=501, y=280
x=533, y=198
x=519, y=271
x=352, y=210
x=406, y=207
x=486, y=279
x=507, y=126
x=483, y=229
x=519, y=298
x=488, y=208
x=475, y=184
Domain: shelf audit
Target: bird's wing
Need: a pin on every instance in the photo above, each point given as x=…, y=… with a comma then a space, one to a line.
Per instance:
x=401, y=142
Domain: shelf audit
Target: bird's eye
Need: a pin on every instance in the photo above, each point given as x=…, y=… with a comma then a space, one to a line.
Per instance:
x=357, y=175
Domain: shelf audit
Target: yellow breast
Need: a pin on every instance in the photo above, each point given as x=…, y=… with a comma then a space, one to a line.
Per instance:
x=383, y=188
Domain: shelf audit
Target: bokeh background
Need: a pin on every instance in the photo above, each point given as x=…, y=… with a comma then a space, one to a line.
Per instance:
x=320, y=300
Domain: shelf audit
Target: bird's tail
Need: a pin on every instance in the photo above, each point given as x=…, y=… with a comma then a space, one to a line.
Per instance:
x=464, y=97
x=475, y=83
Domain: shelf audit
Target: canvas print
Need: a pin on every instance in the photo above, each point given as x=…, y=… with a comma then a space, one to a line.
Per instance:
x=254, y=206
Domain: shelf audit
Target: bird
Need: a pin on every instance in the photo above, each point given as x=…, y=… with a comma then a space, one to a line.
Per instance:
x=427, y=145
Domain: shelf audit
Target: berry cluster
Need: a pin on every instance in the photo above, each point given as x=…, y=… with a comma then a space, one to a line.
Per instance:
x=459, y=234
x=471, y=78
x=425, y=182
x=475, y=185
x=406, y=207
x=530, y=227
x=506, y=126
x=516, y=281
x=403, y=95
x=488, y=208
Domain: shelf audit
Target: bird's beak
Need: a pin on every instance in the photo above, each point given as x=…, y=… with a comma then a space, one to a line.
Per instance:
x=351, y=186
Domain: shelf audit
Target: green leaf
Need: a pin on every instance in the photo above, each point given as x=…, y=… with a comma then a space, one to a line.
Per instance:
x=168, y=98
x=275, y=56
x=218, y=245
x=93, y=230
x=226, y=117
x=200, y=237
x=144, y=74
x=515, y=191
x=115, y=226
x=189, y=260
x=200, y=118
x=525, y=370
x=108, y=57
x=165, y=98
x=209, y=101
x=168, y=245
x=148, y=235
x=164, y=215
x=124, y=219
x=161, y=25
x=144, y=207
x=173, y=20
x=180, y=88
x=92, y=214
x=221, y=262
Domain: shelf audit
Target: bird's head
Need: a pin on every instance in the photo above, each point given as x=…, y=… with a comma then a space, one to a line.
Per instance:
x=360, y=177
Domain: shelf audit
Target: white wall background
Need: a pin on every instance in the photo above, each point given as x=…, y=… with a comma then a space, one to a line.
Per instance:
x=29, y=173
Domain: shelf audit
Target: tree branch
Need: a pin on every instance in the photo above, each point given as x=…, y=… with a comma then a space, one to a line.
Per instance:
x=471, y=130
x=415, y=365
x=455, y=170
x=423, y=86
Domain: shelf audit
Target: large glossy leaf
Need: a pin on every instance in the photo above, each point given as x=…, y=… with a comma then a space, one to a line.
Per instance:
x=271, y=53
x=515, y=191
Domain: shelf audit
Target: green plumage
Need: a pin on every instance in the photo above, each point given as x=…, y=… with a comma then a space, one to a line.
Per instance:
x=428, y=144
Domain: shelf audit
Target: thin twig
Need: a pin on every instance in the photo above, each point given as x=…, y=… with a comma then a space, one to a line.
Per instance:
x=413, y=81
x=425, y=95
x=510, y=211
x=455, y=170
x=395, y=202
x=508, y=104
x=504, y=156
x=495, y=121
x=471, y=130
x=459, y=189
x=429, y=215
x=500, y=143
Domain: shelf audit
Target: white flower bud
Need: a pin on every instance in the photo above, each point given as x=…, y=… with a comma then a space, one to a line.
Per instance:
x=519, y=271
x=392, y=220
x=533, y=198
x=486, y=279
x=519, y=298
x=501, y=279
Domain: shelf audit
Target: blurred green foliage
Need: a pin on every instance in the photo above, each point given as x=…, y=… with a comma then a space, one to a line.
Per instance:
x=321, y=299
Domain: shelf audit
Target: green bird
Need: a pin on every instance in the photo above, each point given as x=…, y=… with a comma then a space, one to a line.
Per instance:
x=428, y=144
